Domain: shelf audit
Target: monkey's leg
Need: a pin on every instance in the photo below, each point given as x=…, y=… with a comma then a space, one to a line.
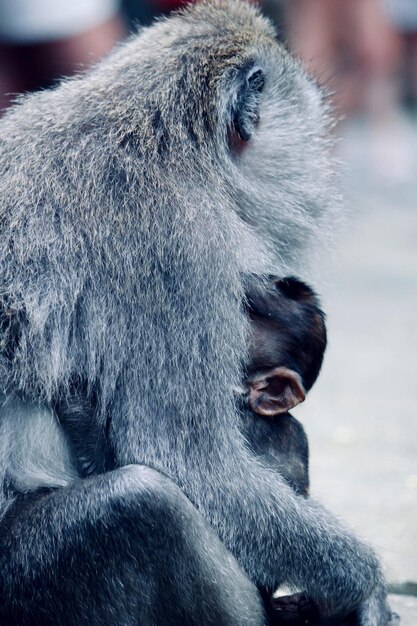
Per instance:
x=124, y=548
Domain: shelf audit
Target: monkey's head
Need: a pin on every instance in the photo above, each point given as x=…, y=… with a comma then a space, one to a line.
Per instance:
x=209, y=96
x=288, y=340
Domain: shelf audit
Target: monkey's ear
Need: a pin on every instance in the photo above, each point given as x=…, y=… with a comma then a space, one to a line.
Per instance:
x=276, y=392
x=245, y=110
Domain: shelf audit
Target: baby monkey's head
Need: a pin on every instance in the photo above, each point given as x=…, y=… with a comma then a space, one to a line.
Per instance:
x=287, y=344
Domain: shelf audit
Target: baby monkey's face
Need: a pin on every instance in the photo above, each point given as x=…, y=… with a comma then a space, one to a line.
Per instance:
x=287, y=344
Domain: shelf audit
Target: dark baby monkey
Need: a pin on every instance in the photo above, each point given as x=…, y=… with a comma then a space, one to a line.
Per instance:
x=288, y=340
x=287, y=344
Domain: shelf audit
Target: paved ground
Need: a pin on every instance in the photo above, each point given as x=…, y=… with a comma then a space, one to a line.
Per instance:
x=406, y=607
x=362, y=415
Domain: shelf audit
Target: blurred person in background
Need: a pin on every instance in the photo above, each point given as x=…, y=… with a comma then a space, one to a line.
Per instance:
x=404, y=16
x=355, y=50
x=42, y=40
x=349, y=46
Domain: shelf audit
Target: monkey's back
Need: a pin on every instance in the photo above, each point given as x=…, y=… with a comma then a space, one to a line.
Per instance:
x=128, y=223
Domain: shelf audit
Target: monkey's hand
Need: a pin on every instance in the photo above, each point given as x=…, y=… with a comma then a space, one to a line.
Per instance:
x=293, y=610
x=298, y=610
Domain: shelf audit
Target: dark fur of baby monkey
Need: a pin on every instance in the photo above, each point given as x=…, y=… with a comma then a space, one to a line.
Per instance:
x=136, y=200
x=286, y=348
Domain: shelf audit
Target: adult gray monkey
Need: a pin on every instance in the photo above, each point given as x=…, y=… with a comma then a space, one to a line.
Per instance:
x=136, y=201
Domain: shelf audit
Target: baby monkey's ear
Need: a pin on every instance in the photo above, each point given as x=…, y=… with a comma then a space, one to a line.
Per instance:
x=276, y=391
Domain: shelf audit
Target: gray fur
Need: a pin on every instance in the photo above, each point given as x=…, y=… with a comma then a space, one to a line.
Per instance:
x=127, y=229
x=34, y=450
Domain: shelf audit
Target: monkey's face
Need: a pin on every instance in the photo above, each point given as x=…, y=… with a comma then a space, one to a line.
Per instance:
x=270, y=131
x=223, y=106
x=278, y=167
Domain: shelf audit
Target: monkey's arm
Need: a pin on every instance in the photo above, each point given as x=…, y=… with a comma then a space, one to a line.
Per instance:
x=307, y=547
x=282, y=445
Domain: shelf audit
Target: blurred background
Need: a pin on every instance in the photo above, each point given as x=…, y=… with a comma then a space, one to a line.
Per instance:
x=361, y=416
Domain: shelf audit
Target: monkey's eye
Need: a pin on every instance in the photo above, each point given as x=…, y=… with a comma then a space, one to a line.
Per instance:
x=246, y=109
